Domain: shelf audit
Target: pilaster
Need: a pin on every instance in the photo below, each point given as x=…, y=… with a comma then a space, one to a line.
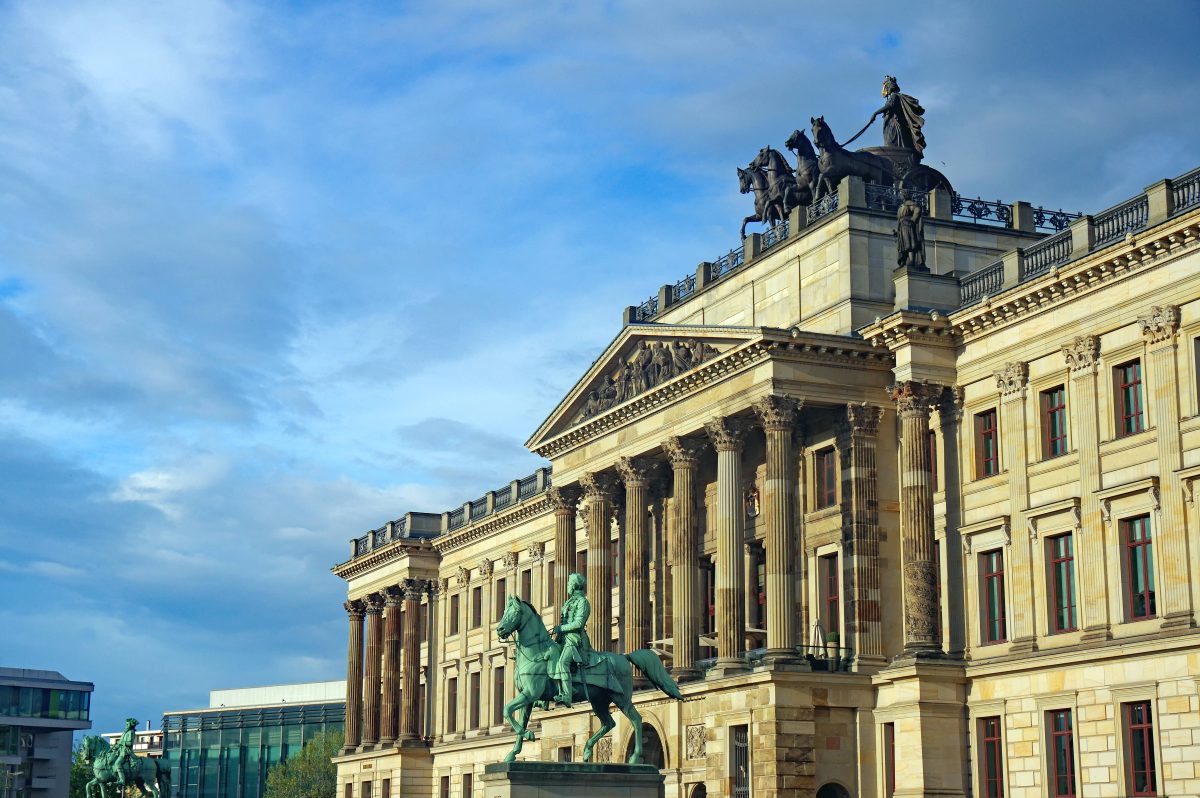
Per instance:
x=1011, y=381
x=865, y=621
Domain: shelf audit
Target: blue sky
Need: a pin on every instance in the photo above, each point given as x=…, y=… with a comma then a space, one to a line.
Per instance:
x=273, y=274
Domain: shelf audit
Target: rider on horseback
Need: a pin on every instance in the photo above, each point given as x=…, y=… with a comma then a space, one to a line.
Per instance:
x=572, y=636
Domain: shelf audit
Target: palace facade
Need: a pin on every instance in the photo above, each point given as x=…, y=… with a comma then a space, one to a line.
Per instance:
x=895, y=532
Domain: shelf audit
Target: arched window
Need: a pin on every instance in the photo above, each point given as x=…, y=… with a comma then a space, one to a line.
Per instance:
x=699, y=791
x=832, y=790
x=652, y=750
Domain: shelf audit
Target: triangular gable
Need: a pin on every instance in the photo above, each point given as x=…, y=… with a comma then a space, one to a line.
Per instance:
x=640, y=359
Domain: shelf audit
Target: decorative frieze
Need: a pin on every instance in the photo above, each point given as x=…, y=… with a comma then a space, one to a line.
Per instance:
x=650, y=364
x=1160, y=324
x=1082, y=352
x=696, y=741
x=1011, y=379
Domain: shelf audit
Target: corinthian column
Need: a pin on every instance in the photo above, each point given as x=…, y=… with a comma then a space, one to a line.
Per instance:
x=778, y=417
x=921, y=635
x=866, y=616
x=1159, y=327
x=728, y=437
x=565, y=501
x=635, y=615
x=598, y=489
x=412, y=653
x=391, y=667
x=354, y=675
x=685, y=561
x=373, y=658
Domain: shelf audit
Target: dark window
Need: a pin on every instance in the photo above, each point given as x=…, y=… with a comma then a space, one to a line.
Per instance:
x=1139, y=732
x=889, y=760
x=1128, y=381
x=1062, y=583
x=760, y=589
x=468, y=785
x=452, y=705
x=501, y=594
x=827, y=474
x=933, y=461
x=366, y=789
x=445, y=787
x=549, y=592
x=987, y=450
x=527, y=585
x=739, y=761
x=349, y=790
x=386, y=791
x=1054, y=422
x=455, y=613
x=710, y=599
x=616, y=564
x=564, y=753
x=498, y=696
x=991, y=757
x=1139, y=567
x=1062, y=754
x=937, y=583
x=474, y=685
x=476, y=606
x=830, y=595
x=992, y=565
x=421, y=691
x=581, y=563
x=422, y=621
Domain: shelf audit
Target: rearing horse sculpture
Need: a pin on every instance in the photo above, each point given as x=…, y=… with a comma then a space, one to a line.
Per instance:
x=836, y=162
x=606, y=679
x=781, y=182
x=767, y=209
x=807, y=170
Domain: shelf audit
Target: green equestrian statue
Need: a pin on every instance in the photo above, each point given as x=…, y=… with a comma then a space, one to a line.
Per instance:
x=118, y=766
x=544, y=670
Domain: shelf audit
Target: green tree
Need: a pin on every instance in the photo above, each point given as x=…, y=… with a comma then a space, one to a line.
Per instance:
x=309, y=774
x=81, y=773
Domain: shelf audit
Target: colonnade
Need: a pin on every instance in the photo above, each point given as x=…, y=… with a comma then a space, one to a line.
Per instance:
x=386, y=668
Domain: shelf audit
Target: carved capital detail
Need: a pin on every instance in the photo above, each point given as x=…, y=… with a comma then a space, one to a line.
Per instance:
x=565, y=498
x=355, y=609
x=537, y=550
x=950, y=404
x=1011, y=379
x=393, y=596
x=510, y=560
x=1160, y=324
x=1082, y=352
x=463, y=576
x=598, y=486
x=777, y=412
x=413, y=588
x=374, y=603
x=682, y=453
x=727, y=434
x=443, y=585
x=863, y=418
x=913, y=398
x=635, y=470
x=486, y=566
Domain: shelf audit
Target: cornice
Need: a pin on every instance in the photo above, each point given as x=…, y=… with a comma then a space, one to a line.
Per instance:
x=392, y=551
x=530, y=509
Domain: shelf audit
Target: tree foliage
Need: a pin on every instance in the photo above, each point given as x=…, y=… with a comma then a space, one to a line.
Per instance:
x=309, y=774
x=81, y=773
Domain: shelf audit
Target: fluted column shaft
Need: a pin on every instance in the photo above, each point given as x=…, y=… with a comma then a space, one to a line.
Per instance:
x=409, y=722
x=635, y=615
x=598, y=489
x=685, y=558
x=728, y=437
x=354, y=675
x=916, y=518
x=391, y=667
x=374, y=655
x=565, y=502
x=778, y=417
x=865, y=611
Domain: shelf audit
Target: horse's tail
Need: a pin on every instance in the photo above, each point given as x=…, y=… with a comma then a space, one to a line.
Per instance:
x=652, y=668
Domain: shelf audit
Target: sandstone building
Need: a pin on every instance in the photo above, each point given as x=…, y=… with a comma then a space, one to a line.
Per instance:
x=896, y=532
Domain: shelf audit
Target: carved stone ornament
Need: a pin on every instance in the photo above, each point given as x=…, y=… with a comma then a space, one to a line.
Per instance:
x=565, y=498
x=650, y=364
x=537, y=550
x=635, y=470
x=912, y=397
x=486, y=566
x=1012, y=378
x=603, y=751
x=752, y=501
x=464, y=576
x=950, y=404
x=510, y=560
x=393, y=596
x=920, y=606
x=374, y=603
x=598, y=486
x=696, y=741
x=443, y=585
x=1160, y=324
x=1082, y=352
x=726, y=434
x=355, y=608
x=776, y=412
x=413, y=588
x=863, y=418
x=682, y=452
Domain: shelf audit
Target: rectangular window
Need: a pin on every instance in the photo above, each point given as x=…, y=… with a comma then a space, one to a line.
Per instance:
x=498, y=696
x=1127, y=379
x=1139, y=567
x=550, y=590
x=760, y=589
x=421, y=692
x=452, y=705
x=474, y=684
x=455, y=613
x=527, y=585
x=937, y=584
x=616, y=564
x=827, y=474
x=366, y=789
x=1062, y=583
x=992, y=566
x=422, y=621
x=987, y=449
x=476, y=606
x=889, y=759
x=386, y=791
x=468, y=785
x=581, y=563
x=445, y=791
x=1054, y=422
x=349, y=790
x=501, y=595
x=564, y=753
x=830, y=595
x=1139, y=735
x=1062, y=753
x=991, y=755
x=709, y=572
x=933, y=461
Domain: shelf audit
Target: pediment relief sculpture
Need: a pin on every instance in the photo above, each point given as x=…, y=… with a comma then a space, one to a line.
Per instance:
x=650, y=364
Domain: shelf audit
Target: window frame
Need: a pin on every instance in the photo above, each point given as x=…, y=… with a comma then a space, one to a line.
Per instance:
x=1054, y=445
x=987, y=464
x=1123, y=415
x=986, y=761
x=498, y=685
x=477, y=606
x=1001, y=617
x=1054, y=559
x=499, y=597
x=932, y=450
x=827, y=478
x=1147, y=746
x=829, y=575
x=455, y=614
x=1128, y=548
x=1052, y=735
x=452, y=705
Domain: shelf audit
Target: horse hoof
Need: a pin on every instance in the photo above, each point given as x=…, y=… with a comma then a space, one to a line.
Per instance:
x=529, y=737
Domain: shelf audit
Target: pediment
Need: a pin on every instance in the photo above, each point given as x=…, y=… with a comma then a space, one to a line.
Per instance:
x=640, y=360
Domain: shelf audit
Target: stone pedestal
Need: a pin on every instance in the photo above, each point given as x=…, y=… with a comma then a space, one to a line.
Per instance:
x=574, y=779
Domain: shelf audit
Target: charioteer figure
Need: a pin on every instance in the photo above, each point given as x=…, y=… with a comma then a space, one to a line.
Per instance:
x=903, y=118
x=572, y=636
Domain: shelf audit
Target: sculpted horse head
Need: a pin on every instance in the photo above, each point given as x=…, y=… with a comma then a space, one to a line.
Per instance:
x=798, y=143
x=822, y=135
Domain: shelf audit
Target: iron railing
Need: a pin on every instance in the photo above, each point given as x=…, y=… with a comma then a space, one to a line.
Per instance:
x=479, y=508
x=888, y=198
x=646, y=310
x=1053, y=221
x=362, y=545
x=984, y=282
x=684, y=288
x=1046, y=254
x=776, y=235
x=734, y=259
x=1114, y=223
x=1185, y=191
x=822, y=207
x=981, y=211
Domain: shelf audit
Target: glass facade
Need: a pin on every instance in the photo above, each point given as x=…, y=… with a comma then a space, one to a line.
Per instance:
x=226, y=753
x=44, y=702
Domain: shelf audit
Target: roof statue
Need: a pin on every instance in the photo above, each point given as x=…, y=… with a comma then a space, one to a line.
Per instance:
x=903, y=118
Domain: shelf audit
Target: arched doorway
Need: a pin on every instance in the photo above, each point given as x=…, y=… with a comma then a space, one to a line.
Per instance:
x=652, y=749
x=699, y=791
x=832, y=790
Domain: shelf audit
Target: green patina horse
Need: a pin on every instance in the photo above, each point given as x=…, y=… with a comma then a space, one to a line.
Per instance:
x=118, y=766
x=607, y=678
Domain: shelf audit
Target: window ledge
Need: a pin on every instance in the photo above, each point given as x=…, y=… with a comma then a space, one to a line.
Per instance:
x=1047, y=464
x=984, y=483
x=823, y=513
x=1114, y=445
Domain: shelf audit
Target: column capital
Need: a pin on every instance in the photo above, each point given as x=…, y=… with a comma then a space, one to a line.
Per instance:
x=913, y=398
x=393, y=596
x=1081, y=353
x=862, y=418
x=727, y=434
x=537, y=550
x=355, y=608
x=682, y=452
x=413, y=588
x=486, y=567
x=563, y=499
x=598, y=485
x=443, y=584
x=1160, y=324
x=950, y=404
x=374, y=603
x=463, y=576
x=1012, y=379
x=777, y=412
x=635, y=471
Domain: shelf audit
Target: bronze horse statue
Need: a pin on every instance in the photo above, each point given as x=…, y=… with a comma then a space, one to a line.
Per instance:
x=767, y=209
x=836, y=162
x=781, y=182
x=807, y=171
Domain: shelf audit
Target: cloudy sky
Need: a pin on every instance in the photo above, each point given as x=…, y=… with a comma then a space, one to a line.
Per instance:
x=273, y=274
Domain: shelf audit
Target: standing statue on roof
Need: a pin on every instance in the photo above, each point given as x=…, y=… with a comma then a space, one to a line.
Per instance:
x=903, y=118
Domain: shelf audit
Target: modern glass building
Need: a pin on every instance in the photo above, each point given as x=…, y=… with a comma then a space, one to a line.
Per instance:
x=39, y=713
x=225, y=751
